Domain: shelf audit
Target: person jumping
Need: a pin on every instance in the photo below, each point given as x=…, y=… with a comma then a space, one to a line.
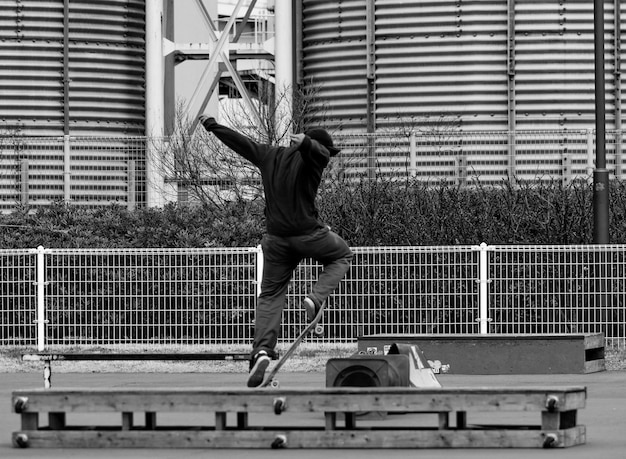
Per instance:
x=291, y=178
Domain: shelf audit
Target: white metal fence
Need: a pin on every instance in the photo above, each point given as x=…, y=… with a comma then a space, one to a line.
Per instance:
x=200, y=297
x=97, y=171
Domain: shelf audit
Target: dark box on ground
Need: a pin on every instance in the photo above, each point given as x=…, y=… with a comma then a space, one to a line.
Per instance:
x=500, y=353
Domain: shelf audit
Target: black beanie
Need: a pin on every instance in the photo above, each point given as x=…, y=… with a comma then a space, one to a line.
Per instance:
x=324, y=138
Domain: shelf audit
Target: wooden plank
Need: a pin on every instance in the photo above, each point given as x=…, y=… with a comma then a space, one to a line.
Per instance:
x=493, y=438
x=389, y=399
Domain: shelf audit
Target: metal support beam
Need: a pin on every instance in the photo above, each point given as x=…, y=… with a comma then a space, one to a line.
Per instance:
x=66, y=67
x=244, y=21
x=155, y=102
x=601, y=174
x=241, y=87
x=371, y=85
x=511, y=102
x=195, y=110
x=617, y=79
x=284, y=74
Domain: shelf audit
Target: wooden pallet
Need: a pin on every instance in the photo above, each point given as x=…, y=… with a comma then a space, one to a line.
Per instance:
x=316, y=418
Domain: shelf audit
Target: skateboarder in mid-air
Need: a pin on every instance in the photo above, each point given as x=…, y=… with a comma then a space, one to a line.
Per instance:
x=291, y=177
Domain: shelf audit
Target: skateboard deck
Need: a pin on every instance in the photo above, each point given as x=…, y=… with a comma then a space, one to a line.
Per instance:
x=270, y=379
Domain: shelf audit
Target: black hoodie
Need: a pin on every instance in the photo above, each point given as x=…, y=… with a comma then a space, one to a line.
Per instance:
x=291, y=177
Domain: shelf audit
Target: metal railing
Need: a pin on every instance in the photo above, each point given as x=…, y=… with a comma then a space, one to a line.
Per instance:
x=51, y=298
x=99, y=171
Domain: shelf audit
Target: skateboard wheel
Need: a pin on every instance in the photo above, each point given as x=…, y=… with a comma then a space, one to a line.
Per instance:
x=319, y=330
x=21, y=440
x=20, y=404
x=280, y=405
x=550, y=441
x=279, y=442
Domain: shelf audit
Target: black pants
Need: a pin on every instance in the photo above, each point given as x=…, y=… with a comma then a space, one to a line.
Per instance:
x=281, y=256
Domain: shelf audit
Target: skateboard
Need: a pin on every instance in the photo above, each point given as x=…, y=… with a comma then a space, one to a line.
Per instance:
x=315, y=327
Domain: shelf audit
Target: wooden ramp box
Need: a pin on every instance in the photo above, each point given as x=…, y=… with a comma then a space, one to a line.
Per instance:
x=500, y=353
x=324, y=418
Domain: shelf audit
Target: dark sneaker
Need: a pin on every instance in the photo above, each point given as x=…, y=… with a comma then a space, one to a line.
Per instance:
x=311, y=308
x=258, y=365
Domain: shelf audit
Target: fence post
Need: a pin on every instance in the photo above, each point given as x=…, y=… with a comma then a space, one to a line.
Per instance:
x=483, y=282
x=132, y=197
x=24, y=182
x=566, y=173
x=41, y=312
x=460, y=172
x=412, y=155
x=67, y=169
x=259, y=268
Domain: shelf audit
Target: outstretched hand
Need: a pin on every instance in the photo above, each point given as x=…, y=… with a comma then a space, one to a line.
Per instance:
x=297, y=139
x=206, y=120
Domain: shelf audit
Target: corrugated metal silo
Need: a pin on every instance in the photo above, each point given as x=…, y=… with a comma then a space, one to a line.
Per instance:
x=72, y=67
x=335, y=58
x=72, y=97
x=482, y=65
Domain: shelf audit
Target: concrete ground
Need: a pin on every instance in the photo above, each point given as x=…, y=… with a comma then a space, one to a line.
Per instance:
x=604, y=416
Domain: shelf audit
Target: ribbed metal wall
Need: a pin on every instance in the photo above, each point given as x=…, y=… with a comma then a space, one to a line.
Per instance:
x=476, y=65
x=71, y=70
x=335, y=58
x=74, y=67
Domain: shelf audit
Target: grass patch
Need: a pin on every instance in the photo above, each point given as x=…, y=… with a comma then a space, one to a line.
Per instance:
x=307, y=358
x=615, y=359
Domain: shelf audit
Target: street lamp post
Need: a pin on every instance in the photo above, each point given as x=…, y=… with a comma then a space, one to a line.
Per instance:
x=600, y=174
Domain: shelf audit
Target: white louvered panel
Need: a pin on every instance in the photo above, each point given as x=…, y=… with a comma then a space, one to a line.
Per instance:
x=100, y=169
x=45, y=172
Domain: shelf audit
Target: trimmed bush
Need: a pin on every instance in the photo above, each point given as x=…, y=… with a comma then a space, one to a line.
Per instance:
x=378, y=212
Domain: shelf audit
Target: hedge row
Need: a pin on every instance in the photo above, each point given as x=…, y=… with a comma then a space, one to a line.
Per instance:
x=376, y=212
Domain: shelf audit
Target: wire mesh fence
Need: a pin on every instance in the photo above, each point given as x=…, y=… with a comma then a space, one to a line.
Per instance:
x=92, y=171
x=18, y=297
x=36, y=171
x=54, y=298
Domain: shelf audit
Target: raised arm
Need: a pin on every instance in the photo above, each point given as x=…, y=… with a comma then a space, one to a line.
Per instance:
x=240, y=144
